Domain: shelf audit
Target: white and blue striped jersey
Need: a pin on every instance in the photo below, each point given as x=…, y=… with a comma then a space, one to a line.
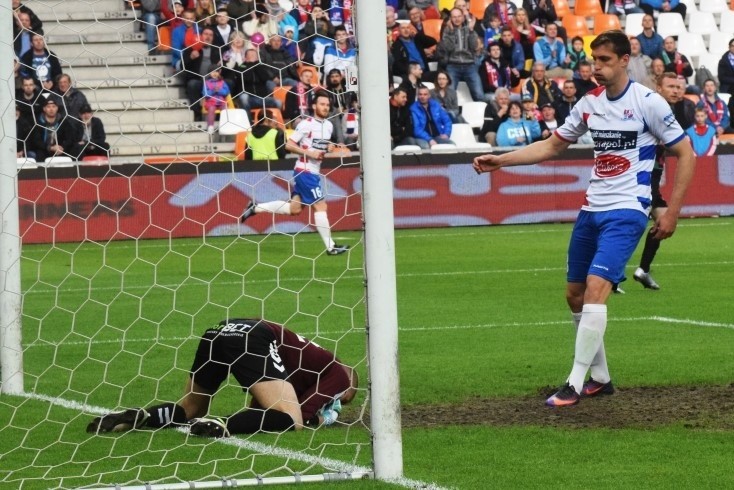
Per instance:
x=626, y=131
x=312, y=133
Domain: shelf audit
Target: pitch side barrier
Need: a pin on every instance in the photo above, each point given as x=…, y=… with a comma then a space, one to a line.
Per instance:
x=134, y=201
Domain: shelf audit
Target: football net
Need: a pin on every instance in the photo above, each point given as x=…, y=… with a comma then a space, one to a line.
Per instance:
x=113, y=265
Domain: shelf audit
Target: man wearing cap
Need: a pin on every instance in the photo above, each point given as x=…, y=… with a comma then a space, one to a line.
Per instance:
x=92, y=140
x=53, y=134
x=548, y=123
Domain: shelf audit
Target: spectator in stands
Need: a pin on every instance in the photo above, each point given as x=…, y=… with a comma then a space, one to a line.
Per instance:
x=205, y=12
x=48, y=89
x=262, y=23
x=240, y=11
x=493, y=31
x=231, y=59
x=446, y=96
x=340, y=54
x=392, y=26
x=23, y=34
x=564, y=105
x=36, y=24
x=266, y=141
x=215, y=93
x=585, y=82
x=401, y=120
x=301, y=13
x=413, y=81
x=623, y=7
x=494, y=72
x=223, y=27
x=657, y=68
x=576, y=54
x=702, y=134
x=530, y=109
x=551, y=51
x=674, y=60
x=542, y=89
x=316, y=36
x=517, y=130
x=503, y=9
x=469, y=20
x=496, y=112
x=290, y=44
x=639, y=66
x=179, y=34
x=548, y=123
x=524, y=33
x=407, y=49
x=151, y=17
x=197, y=61
x=254, y=77
x=726, y=74
x=429, y=7
x=672, y=90
x=23, y=128
x=651, y=42
x=431, y=124
x=417, y=17
x=342, y=104
x=53, y=135
x=92, y=140
x=73, y=99
x=512, y=53
x=40, y=63
x=280, y=62
x=27, y=99
x=541, y=13
x=299, y=98
x=458, y=51
x=651, y=7
x=717, y=113
x=339, y=12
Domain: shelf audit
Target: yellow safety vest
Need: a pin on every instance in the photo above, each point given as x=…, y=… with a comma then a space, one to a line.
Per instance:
x=263, y=148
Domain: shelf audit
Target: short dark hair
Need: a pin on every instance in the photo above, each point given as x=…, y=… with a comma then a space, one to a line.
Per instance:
x=320, y=93
x=617, y=39
x=585, y=63
x=397, y=90
x=577, y=38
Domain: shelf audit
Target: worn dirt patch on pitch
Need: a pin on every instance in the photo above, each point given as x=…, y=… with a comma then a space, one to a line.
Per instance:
x=706, y=407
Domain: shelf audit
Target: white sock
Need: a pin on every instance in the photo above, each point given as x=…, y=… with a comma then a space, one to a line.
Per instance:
x=589, y=338
x=599, y=368
x=321, y=220
x=275, y=207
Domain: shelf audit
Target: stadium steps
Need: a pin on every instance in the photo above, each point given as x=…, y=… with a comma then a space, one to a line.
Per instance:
x=86, y=27
x=83, y=69
x=151, y=93
x=193, y=137
x=144, y=116
x=58, y=9
x=150, y=151
x=85, y=39
x=73, y=51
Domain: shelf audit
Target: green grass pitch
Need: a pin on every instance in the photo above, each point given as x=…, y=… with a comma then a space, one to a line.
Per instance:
x=482, y=316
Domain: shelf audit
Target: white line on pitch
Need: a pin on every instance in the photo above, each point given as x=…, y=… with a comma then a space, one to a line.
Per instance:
x=683, y=321
x=256, y=447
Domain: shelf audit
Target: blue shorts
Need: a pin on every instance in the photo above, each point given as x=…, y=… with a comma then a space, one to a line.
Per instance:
x=602, y=244
x=308, y=187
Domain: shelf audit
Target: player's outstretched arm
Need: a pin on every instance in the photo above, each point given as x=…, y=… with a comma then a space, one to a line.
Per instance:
x=665, y=225
x=539, y=151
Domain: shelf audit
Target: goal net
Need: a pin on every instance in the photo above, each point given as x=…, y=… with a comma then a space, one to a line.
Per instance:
x=119, y=252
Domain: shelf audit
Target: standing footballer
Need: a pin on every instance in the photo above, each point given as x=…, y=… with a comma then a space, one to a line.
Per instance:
x=311, y=140
x=627, y=121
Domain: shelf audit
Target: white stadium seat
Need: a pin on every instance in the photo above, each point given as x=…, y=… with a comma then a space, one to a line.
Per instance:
x=725, y=97
x=58, y=162
x=670, y=24
x=233, y=121
x=406, y=149
x=713, y=6
x=443, y=148
x=633, y=24
x=463, y=93
x=726, y=23
x=473, y=113
x=428, y=85
x=463, y=136
x=719, y=43
x=710, y=61
x=691, y=44
x=702, y=23
x=690, y=8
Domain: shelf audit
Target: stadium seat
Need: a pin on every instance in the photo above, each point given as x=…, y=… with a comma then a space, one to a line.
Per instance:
x=713, y=6
x=432, y=28
x=445, y=4
x=563, y=9
x=463, y=136
x=670, y=24
x=233, y=121
x=96, y=160
x=240, y=145
x=691, y=44
x=722, y=95
x=443, y=148
x=726, y=23
x=606, y=22
x=25, y=162
x=428, y=85
x=587, y=45
x=587, y=8
x=726, y=139
x=702, y=23
x=406, y=149
x=473, y=113
x=230, y=105
x=164, y=38
x=463, y=93
x=575, y=26
x=286, y=5
x=719, y=43
x=710, y=61
x=58, y=162
x=693, y=98
x=280, y=93
x=477, y=7
x=633, y=24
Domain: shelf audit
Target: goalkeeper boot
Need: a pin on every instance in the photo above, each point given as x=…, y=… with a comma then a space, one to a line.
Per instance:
x=564, y=397
x=206, y=427
x=337, y=249
x=131, y=419
x=249, y=211
x=594, y=388
x=645, y=279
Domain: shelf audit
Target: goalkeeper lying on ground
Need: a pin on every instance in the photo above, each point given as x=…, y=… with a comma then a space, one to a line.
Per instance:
x=293, y=383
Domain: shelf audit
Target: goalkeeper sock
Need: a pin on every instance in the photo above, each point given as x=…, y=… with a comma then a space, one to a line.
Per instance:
x=166, y=415
x=589, y=339
x=275, y=207
x=253, y=420
x=599, y=368
x=321, y=220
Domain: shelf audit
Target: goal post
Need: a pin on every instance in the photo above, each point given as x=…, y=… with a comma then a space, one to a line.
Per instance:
x=377, y=201
x=11, y=352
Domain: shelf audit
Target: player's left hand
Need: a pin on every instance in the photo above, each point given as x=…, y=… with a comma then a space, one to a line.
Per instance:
x=664, y=226
x=486, y=163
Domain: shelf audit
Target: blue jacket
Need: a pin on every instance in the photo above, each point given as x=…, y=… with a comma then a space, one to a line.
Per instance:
x=514, y=55
x=653, y=46
x=703, y=144
x=510, y=130
x=440, y=117
x=658, y=4
x=542, y=52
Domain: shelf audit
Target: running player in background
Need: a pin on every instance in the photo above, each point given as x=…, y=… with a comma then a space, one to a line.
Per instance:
x=311, y=140
x=627, y=121
x=293, y=383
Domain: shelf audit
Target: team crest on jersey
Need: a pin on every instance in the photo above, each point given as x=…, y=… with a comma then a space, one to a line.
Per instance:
x=669, y=119
x=628, y=114
x=610, y=165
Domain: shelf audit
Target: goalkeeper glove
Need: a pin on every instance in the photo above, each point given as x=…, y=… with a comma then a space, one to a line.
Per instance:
x=330, y=412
